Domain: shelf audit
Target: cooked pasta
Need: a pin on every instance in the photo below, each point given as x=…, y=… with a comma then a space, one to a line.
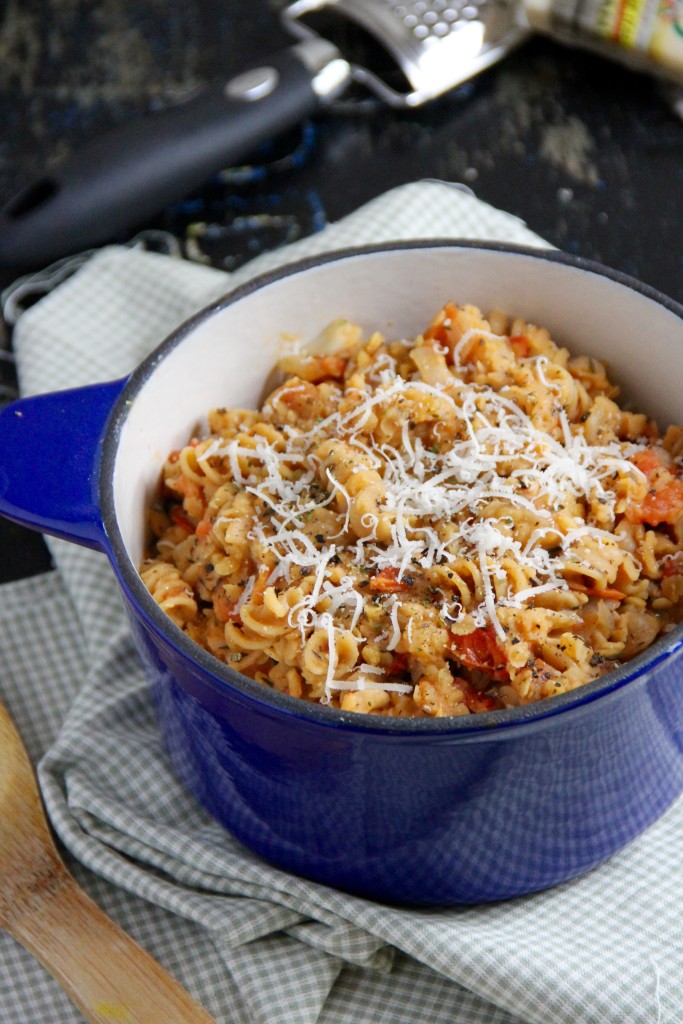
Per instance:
x=456, y=523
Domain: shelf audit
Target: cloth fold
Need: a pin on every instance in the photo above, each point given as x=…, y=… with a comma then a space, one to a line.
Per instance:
x=252, y=943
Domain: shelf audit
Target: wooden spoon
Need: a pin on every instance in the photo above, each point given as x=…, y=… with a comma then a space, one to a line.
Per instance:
x=108, y=976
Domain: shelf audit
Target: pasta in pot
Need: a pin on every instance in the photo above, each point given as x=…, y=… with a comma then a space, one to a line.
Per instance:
x=452, y=524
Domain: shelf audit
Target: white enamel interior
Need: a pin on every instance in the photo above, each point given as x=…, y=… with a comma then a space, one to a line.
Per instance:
x=224, y=360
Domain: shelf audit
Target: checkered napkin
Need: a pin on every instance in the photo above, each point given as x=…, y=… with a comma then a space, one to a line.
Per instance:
x=252, y=943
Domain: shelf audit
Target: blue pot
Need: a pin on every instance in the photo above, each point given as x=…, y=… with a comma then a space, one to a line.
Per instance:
x=419, y=811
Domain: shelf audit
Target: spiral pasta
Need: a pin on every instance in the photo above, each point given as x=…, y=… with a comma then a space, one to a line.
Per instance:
x=446, y=525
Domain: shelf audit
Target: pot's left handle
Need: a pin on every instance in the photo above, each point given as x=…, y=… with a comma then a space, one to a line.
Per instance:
x=50, y=448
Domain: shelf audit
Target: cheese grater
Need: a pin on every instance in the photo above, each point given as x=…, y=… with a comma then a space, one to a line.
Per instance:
x=411, y=51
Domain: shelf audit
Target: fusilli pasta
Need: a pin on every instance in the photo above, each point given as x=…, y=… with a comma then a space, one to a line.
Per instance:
x=456, y=523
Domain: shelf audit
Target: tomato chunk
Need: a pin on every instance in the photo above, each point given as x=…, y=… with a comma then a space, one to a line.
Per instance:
x=481, y=650
x=386, y=581
x=204, y=527
x=663, y=502
x=438, y=329
x=664, y=506
x=648, y=462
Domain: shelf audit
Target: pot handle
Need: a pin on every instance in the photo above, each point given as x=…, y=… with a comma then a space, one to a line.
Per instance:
x=49, y=461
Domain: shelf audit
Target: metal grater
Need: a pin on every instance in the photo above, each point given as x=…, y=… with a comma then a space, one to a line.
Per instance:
x=412, y=51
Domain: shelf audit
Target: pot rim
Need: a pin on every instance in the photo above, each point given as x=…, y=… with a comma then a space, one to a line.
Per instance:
x=225, y=679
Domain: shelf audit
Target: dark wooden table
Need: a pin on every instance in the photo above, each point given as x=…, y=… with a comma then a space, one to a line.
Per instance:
x=587, y=153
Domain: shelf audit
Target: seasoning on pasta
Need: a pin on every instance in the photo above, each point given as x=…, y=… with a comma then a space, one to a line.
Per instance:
x=456, y=523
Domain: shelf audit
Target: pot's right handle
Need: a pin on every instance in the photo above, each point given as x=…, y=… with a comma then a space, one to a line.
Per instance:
x=49, y=461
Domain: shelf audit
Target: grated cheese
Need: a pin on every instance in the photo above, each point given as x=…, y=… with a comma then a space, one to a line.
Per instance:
x=500, y=454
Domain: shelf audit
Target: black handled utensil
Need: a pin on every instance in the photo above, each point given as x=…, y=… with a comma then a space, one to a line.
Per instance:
x=123, y=177
x=411, y=52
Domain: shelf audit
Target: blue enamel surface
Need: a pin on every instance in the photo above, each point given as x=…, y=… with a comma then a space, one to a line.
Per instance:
x=422, y=818
x=49, y=460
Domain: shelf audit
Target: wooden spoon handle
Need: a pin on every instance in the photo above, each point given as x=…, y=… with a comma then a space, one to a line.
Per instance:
x=108, y=976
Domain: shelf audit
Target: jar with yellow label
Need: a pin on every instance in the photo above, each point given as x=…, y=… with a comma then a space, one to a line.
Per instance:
x=645, y=34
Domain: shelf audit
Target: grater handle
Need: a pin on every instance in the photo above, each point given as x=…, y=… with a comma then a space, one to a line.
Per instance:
x=124, y=177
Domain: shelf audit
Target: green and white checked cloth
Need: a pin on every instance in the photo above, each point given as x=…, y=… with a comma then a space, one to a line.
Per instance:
x=253, y=944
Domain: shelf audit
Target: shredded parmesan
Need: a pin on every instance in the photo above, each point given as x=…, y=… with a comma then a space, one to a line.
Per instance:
x=430, y=487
